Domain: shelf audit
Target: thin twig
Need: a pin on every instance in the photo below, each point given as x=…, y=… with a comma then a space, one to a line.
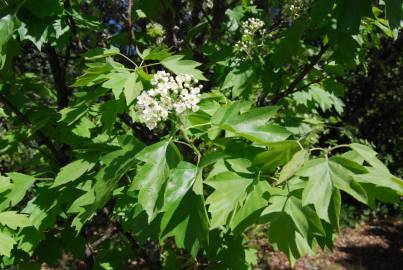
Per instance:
x=132, y=37
x=300, y=77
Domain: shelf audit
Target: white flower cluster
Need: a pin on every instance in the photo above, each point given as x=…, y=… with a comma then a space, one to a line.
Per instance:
x=249, y=29
x=208, y=4
x=252, y=25
x=168, y=94
x=292, y=9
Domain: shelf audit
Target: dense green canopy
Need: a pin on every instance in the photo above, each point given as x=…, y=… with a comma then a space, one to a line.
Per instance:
x=157, y=132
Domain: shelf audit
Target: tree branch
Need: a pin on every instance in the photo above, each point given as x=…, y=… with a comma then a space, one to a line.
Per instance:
x=132, y=37
x=141, y=132
x=300, y=77
x=59, y=77
x=218, y=17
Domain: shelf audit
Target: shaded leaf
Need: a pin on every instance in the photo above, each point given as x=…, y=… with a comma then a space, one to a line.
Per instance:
x=72, y=171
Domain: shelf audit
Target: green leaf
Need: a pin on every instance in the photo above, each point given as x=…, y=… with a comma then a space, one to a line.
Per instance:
x=254, y=117
x=157, y=54
x=224, y=113
x=320, y=10
x=319, y=189
x=6, y=31
x=29, y=238
x=229, y=192
x=289, y=227
x=240, y=80
x=96, y=73
x=125, y=82
x=150, y=177
x=13, y=220
x=349, y=163
x=289, y=44
x=35, y=30
x=12, y=192
x=132, y=88
x=381, y=179
x=2, y=113
x=322, y=99
x=394, y=12
x=153, y=175
x=180, y=182
x=249, y=212
x=278, y=154
x=61, y=28
x=252, y=126
x=116, y=81
x=349, y=14
x=296, y=162
x=6, y=244
x=180, y=67
x=369, y=156
x=325, y=175
x=83, y=127
x=99, y=53
x=117, y=163
x=72, y=171
x=326, y=100
x=110, y=111
x=47, y=8
x=46, y=205
x=187, y=221
x=70, y=115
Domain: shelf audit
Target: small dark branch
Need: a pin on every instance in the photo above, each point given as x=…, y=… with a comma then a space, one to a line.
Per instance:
x=15, y=110
x=109, y=232
x=210, y=22
x=139, y=131
x=132, y=37
x=307, y=85
x=218, y=16
x=89, y=257
x=196, y=10
x=300, y=77
x=59, y=77
x=170, y=23
x=42, y=138
x=70, y=20
x=72, y=24
x=278, y=24
x=261, y=100
x=67, y=56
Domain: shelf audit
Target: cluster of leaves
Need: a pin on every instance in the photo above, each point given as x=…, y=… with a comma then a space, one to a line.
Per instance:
x=77, y=162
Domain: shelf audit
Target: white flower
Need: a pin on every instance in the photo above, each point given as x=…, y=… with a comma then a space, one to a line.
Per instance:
x=249, y=29
x=195, y=108
x=168, y=94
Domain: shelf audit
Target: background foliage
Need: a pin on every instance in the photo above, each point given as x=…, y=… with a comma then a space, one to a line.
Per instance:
x=271, y=140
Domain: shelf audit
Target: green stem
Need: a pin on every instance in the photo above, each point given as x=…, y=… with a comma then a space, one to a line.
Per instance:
x=44, y=179
x=187, y=139
x=149, y=65
x=339, y=146
x=199, y=125
x=317, y=149
x=128, y=59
